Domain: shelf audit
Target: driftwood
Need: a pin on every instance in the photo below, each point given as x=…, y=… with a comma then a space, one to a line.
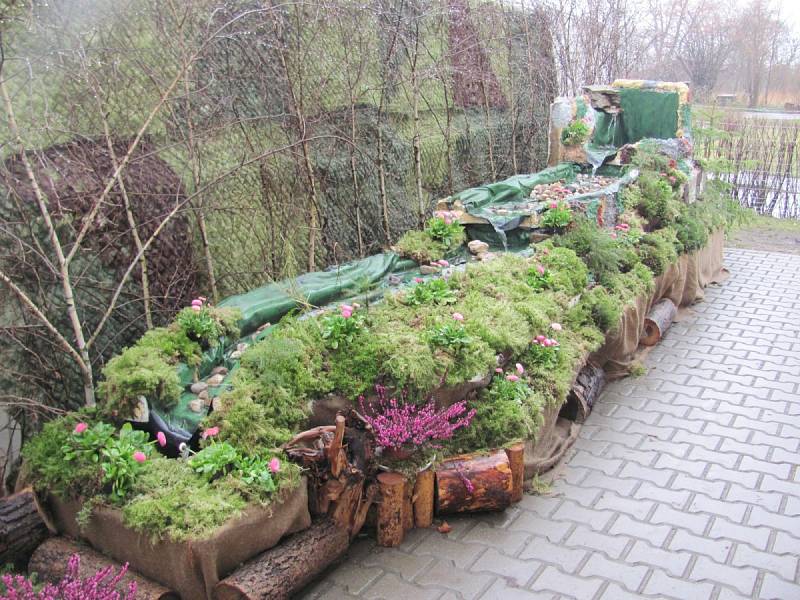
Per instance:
x=49, y=562
x=516, y=460
x=22, y=528
x=587, y=388
x=423, y=498
x=473, y=482
x=285, y=569
x=658, y=321
x=391, y=524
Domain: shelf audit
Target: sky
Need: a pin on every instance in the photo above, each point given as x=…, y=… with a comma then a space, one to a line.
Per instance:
x=790, y=10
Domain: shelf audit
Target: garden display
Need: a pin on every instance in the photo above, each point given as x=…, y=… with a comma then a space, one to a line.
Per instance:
x=237, y=452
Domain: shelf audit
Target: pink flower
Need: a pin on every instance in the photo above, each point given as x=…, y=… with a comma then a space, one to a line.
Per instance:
x=448, y=220
x=346, y=308
x=418, y=280
x=139, y=456
x=202, y=298
x=540, y=269
x=196, y=308
x=80, y=427
x=540, y=338
x=274, y=465
x=347, y=314
x=520, y=369
x=613, y=236
x=556, y=326
x=162, y=439
x=498, y=370
x=554, y=205
x=512, y=378
x=458, y=316
x=210, y=432
x=197, y=302
x=443, y=263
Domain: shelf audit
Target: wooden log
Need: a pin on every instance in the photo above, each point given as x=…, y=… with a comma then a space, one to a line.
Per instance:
x=586, y=389
x=516, y=460
x=343, y=510
x=366, y=502
x=50, y=559
x=472, y=482
x=282, y=571
x=423, y=498
x=658, y=321
x=22, y=528
x=390, y=523
x=408, y=506
x=336, y=456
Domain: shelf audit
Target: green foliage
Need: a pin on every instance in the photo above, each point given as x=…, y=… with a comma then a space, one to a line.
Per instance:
x=603, y=256
x=246, y=424
x=215, y=460
x=209, y=324
x=120, y=468
x=138, y=371
x=438, y=240
x=450, y=234
x=451, y=337
x=656, y=201
x=541, y=355
x=557, y=218
x=338, y=330
x=172, y=343
x=539, y=278
x=575, y=134
x=599, y=308
x=433, y=291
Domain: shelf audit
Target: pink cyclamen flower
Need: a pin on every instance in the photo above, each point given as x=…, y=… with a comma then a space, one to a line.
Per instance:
x=196, y=308
x=274, y=465
x=139, y=456
x=210, y=432
x=498, y=370
x=443, y=263
x=162, y=439
x=556, y=326
x=554, y=205
x=540, y=269
x=512, y=377
x=197, y=302
x=418, y=280
x=81, y=427
x=613, y=236
x=520, y=369
x=458, y=316
x=346, y=314
x=346, y=308
x=540, y=338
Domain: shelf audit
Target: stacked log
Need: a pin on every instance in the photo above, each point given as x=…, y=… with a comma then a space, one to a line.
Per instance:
x=423, y=498
x=391, y=510
x=658, y=321
x=474, y=482
x=22, y=528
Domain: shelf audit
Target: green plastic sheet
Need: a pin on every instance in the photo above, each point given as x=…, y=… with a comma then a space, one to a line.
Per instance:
x=646, y=113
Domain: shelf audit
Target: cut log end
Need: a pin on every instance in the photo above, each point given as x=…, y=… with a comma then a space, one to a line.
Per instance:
x=658, y=321
x=22, y=528
x=471, y=483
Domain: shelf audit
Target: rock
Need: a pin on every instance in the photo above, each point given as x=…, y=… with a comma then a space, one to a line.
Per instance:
x=200, y=386
x=236, y=355
x=196, y=405
x=478, y=247
x=242, y=347
x=219, y=371
x=215, y=380
x=216, y=403
x=429, y=269
x=141, y=414
x=203, y=395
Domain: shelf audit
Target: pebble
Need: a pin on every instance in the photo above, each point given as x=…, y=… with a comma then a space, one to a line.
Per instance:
x=242, y=347
x=219, y=371
x=203, y=395
x=478, y=247
x=215, y=379
x=236, y=355
x=198, y=387
x=196, y=405
x=429, y=269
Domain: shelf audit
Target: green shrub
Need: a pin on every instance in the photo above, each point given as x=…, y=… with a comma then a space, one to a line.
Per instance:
x=575, y=134
x=598, y=250
x=433, y=291
x=208, y=324
x=569, y=273
x=438, y=240
x=658, y=202
x=138, y=371
x=657, y=250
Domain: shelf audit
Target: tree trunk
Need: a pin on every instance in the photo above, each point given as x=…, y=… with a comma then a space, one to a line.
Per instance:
x=472, y=482
x=21, y=528
x=587, y=388
x=285, y=569
x=391, y=528
x=50, y=560
x=658, y=321
x=423, y=498
x=516, y=460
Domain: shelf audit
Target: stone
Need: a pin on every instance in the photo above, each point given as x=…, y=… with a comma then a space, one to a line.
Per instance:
x=243, y=346
x=200, y=386
x=478, y=247
x=215, y=380
x=216, y=403
x=219, y=371
x=429, y=269
x=204, y=397
x=236, y=355
x=196, y=405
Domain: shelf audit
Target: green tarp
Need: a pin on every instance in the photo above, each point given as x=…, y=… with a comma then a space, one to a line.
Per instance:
x=645, y=113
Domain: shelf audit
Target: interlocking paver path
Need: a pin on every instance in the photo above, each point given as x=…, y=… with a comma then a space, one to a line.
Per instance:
x=684, y=482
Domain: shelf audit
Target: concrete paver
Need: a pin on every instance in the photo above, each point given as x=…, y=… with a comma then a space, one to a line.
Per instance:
x=684, y=482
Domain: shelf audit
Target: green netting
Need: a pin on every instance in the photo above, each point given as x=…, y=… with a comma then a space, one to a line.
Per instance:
x=645, y=114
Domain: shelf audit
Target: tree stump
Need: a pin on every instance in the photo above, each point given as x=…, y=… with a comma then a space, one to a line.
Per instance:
x=423, y=498
x=658, y=321
x=391, y=529
x=49, y=562
x=282, y=571
x=516, y=460
x=471, y=482
x=22, y=528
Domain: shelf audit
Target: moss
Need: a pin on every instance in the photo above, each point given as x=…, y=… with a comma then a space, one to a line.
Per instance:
x=601, y=309
x=172, y=343
x=602, y=255
x=657, y=250
x=139, y=371
x=658, y=202
x=570, y=274
x=172, y=502
x=246, y=424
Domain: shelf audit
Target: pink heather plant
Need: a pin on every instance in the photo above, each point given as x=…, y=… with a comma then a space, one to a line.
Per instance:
x=71, y=587
x=396, y=424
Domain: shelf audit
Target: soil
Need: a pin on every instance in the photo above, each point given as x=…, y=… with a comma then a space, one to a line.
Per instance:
x=768, y=235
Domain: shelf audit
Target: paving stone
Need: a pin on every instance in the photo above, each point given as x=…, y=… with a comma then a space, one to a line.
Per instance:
x=592, y=517
x=613, y=545
x=743, y=579
x=662, y=584
x=509, y=542
x=554, y=531
x=565, y=558
x=460, y=554
x=775, y=588
x=733, y=511
x=355, y=578
x=655, y=534
x=405, y=564
x=696, y=523
x=769, y=500
x=629, y=576
x=443, y=575
x=713, y=489
x=638, y=509
x=554, y=580
x=783, y=565
x=676, y=498
x=501, y=590
x=518, y=572
x=755, y=536
x=716, y=549
x=672, y=561
x=391, y=587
